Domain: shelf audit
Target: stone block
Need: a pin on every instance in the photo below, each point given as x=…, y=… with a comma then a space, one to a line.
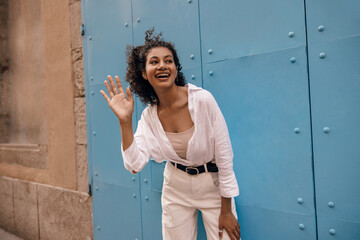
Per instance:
x=75, y=23
x=6, y=204
x=82, y=168
x=4, y=55
x=64, y=214
x=5, y=93
x=7, y=236
x=4, y=16
x=80, y=121
x=78, y=72
x=25, y=210
x=73, y=1
x=4, y=128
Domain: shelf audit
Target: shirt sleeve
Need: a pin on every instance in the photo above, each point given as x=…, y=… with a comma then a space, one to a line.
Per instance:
x=137, y=155
x=224, y=155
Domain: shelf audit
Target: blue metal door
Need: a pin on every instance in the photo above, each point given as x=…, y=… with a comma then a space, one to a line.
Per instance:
x=333, y=29
x=287, y=87
x=256, y=67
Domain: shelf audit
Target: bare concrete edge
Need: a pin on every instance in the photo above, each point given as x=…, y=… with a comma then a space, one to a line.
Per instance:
x=4, y=235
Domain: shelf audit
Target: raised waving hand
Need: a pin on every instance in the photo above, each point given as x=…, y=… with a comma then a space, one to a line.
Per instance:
x=122, y=106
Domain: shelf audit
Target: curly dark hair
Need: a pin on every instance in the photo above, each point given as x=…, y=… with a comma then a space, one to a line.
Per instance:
x=136, y=59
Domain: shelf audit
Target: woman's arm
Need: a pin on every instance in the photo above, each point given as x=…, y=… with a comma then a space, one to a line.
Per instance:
x=127, y=134
x=227, y=181
x=123, y=107
x=228, y=221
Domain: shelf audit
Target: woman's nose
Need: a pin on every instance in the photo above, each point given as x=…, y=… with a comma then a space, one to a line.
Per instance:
x=162, y=65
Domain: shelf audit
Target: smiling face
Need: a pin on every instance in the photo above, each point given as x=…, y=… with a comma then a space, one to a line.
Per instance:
x=160, y=69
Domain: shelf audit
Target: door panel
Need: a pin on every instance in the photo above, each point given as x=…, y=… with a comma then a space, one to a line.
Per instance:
x=106, y=38
x=338, y=19
x=243, y=28
x=116, y=212
x=264, y=99
x=335, y=102
x=179, y=22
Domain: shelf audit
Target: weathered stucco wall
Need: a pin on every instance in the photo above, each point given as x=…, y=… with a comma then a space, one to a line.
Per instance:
x=42, y=97
x=43, y=147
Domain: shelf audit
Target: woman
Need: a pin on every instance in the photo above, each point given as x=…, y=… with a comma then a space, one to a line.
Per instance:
x=184, y=125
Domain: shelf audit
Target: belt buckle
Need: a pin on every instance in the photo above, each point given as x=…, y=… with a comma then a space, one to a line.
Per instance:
x=191, y=172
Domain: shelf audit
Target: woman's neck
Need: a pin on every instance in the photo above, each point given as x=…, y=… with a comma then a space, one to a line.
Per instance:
x=168, y=97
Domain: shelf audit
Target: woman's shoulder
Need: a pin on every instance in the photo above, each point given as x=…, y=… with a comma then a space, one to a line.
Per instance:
x=201, y=94
x=148, y=112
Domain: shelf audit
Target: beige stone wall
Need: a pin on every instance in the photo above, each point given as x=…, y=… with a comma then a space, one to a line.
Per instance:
x=4, y=73
x=37, y=211
x=43, y=163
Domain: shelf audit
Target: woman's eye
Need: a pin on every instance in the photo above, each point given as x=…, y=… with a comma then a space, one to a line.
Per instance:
x=169, y=61
x=153, y=62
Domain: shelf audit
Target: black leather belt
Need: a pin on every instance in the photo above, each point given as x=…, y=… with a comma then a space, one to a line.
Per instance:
x=211, y=167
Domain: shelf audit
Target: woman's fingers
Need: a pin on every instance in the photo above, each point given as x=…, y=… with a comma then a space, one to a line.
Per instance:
x=105, y=96
x=109, y=89
x=130, y=96
x=117, y=79
x=113, y=86
x=221, y=229
x=238, y=230
x=237, y=233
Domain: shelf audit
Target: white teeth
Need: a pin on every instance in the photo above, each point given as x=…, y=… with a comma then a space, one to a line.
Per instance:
x=163, y=75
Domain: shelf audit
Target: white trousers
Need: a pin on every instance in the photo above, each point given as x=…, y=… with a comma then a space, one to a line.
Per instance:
x=182, y=195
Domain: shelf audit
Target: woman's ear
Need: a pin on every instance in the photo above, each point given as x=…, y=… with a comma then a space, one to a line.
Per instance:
x=144, y=75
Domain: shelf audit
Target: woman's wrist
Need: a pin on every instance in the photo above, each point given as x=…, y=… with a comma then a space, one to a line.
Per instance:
x=125, y=123
x=225, y=206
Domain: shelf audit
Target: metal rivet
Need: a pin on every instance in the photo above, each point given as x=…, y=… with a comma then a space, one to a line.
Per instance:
x=326, y=130
x=322, y=55
x=321, y=28
x=96, y=188
x=134, y=195
x=95, y=173
x=192, y=56
x=98, y=228
x=300, y=200
x=292, y=60
x=92, y=93
x=297, y=130
x=291, y=34
x=91, y=78
x=146, y=198
x=193, y=77
x=94, y=133
x=210, y=51
x=126, y=24
x=331, y=204
x=301, y=226
x=133, y=179
x=138, y=20
x=189, y=1
x=145, y=180
x=332, y=231
x=211, y=73
x=90, y=37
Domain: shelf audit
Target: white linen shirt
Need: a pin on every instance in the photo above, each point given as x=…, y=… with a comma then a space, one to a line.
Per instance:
x=210, y=140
